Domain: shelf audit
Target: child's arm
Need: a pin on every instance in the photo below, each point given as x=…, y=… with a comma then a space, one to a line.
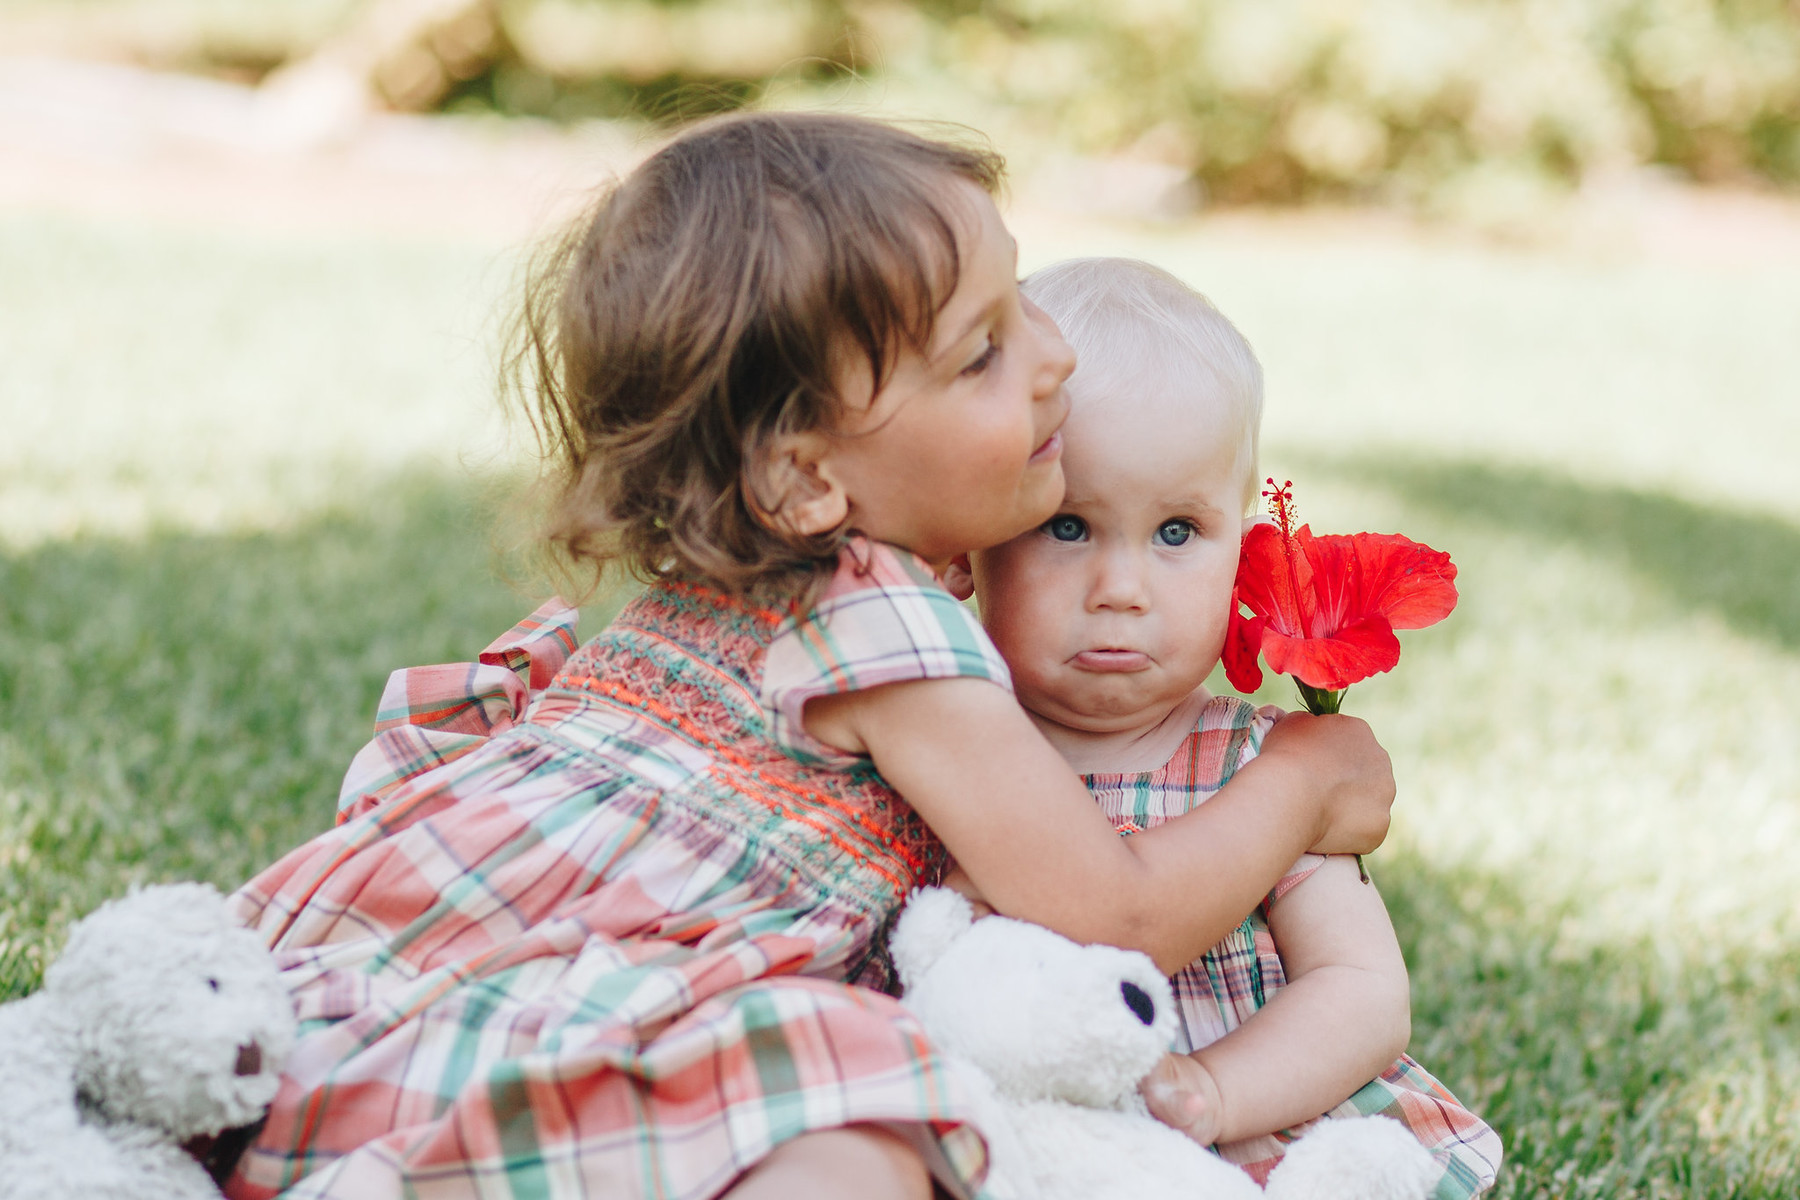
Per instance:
x=1021, y=824
x=1343, y=1018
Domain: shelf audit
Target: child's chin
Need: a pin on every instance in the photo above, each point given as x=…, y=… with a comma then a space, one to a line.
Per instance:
x=1107, y=712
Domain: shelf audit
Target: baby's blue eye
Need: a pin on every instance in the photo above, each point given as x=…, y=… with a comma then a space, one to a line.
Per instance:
x=1174, y=533
x=1065, y=528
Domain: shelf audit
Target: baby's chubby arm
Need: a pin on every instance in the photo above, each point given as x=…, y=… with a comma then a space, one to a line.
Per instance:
x=1034, y=843
x=1343, y=1018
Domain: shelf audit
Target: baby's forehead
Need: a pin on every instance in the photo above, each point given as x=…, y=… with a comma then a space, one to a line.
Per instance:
x=1136, y=428
x=1190, y=404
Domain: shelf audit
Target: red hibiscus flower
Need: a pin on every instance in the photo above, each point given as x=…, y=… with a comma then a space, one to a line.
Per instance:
x=1324, y=608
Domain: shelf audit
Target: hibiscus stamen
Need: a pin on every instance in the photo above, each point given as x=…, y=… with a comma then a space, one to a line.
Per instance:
x=1282, y=508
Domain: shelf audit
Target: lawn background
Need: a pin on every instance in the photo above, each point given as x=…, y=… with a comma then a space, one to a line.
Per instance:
x=243, y=476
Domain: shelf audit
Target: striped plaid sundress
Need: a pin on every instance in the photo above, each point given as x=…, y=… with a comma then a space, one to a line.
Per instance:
x=1231, y=981
x=592, y=928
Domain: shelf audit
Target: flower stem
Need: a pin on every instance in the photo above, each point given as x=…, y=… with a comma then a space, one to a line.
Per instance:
x=1318, y=700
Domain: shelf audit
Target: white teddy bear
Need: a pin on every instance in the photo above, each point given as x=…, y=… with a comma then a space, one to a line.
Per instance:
x=164, y=1022
x=1052, y=1039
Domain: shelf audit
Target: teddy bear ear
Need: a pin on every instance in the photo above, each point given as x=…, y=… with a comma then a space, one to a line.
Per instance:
x=934, y=918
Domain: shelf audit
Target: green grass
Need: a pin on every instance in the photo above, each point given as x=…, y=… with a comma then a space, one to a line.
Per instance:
x=156, y=377
x=1591, y=869
x=181, y=705
x=253, y=477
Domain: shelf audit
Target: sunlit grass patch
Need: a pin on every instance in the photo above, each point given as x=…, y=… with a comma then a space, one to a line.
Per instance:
x=1612, y=1069
x=183, y=705
x=1739, y=564
x=155, y=376
x=1654, y=377
x=1591, y=718
x=1592, y=864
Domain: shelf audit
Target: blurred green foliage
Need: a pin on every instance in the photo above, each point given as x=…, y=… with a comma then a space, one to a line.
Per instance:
x=231, y=39
x=1423, y=102
x=1288, y=99
x=1417, y=101
x=663, y=60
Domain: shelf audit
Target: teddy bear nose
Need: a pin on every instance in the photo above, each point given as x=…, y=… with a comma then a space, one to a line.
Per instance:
x=1139, y=1002
x=249, y=1059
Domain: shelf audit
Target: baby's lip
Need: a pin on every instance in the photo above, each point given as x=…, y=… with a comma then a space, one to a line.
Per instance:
x=1111, y=659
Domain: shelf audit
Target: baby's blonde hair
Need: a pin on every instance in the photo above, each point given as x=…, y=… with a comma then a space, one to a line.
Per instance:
x=1123, y=316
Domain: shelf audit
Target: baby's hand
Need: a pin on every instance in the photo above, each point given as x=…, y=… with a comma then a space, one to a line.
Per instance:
x=959, y=578
x=1183, y=1095
x=957, y=880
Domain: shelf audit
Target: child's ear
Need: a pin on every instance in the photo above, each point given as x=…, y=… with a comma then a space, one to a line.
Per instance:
x=793, y=487
x=959, y=578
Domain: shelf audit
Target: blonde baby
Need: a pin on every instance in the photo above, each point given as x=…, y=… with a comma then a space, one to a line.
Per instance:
x=1111, y=615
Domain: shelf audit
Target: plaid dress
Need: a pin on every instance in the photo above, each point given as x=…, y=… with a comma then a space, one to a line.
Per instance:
x=1231, y=981
x=589, y=928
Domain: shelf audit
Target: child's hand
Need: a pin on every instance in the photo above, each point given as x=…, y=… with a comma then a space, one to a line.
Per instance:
x=957, y=880
x=1337, y=761
x=959, y=577
x=1183, y=1095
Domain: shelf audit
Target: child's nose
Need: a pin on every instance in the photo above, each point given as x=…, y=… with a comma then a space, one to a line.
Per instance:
x=1058, y=362
x=1118, y=582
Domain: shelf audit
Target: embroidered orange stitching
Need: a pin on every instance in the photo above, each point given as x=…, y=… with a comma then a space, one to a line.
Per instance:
x=809, y=795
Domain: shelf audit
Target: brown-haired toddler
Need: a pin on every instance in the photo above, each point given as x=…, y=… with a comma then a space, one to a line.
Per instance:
x=629, y=944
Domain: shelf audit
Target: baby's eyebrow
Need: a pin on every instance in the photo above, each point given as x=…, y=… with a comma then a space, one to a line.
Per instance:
x=1186, y=505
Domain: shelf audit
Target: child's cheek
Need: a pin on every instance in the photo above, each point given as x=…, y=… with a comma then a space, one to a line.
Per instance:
x=1029, y=618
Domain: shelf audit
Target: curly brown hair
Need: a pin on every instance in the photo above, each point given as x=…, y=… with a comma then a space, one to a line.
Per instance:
x=709, y=303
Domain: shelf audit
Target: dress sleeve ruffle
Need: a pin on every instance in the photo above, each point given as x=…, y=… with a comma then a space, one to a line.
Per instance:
x=883, y=618
x=429, y=716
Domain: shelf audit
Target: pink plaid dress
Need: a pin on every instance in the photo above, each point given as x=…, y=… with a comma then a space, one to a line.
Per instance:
x=1235, y=978
x=590, y=928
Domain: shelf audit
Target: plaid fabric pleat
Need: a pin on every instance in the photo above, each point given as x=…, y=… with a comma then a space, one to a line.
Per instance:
x=1467, y=1149
x=429, y=716
x=608, y=943
x=1234, y=979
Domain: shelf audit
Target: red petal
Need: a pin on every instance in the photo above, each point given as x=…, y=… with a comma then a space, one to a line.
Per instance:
x=1267, y=576
x=1336, y=584
x=1259, y=561
x=1243, y=641
x=1348, y=656
x=1406, y=582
